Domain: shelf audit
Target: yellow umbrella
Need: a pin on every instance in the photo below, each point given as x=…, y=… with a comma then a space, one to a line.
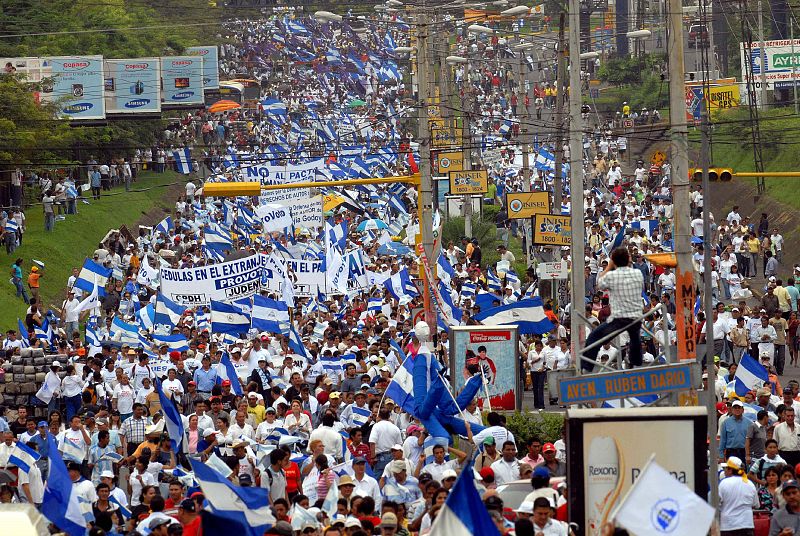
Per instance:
x=223, y=106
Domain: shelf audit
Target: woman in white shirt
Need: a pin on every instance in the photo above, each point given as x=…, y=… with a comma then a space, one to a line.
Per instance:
x=172, y=386
x=71, y=389
x=140, y=478
x=297, y=422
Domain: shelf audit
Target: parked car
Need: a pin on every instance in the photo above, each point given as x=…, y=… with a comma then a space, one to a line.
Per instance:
x=698, y=32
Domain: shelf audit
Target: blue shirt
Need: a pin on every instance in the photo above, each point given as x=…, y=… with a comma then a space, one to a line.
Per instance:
x=794, y=294
x=205, y=379
x=733, y=434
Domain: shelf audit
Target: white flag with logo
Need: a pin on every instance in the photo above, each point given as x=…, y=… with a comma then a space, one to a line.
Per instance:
x=658, y=504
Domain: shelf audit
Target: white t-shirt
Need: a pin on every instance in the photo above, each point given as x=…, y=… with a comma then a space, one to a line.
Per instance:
x=384, y=434
x=125, y=397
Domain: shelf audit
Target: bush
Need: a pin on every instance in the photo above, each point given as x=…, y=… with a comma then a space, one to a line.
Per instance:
x=545, y=426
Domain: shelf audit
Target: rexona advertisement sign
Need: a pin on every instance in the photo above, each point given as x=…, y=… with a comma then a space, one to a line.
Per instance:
x=132, y=85
x=608, y=448
x=77, y=86
x=182, y=80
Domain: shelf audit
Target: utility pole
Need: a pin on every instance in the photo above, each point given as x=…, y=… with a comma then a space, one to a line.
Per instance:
x=578, y=282
x=426, y=183
x=763, y=55
x=558, y=196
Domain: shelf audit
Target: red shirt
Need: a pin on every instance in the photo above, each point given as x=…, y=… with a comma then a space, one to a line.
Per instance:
x=169, y=503
x=361, y=450
x=292, y=477
x=193, y=528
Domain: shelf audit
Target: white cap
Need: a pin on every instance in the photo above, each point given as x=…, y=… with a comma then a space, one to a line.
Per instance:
x=397, y=446
x=525, y=508
x=449, y=474
x=55, y=364
x=107, y=474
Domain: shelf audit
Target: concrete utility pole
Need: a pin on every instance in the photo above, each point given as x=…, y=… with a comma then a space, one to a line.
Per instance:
x=526, y=134
x=762, y=54
x=576, y=176
x=426, y=185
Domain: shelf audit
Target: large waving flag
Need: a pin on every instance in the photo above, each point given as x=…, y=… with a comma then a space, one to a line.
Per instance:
x=172, y=418
x=229, y=318
x=295, y=344
x=337, y=234
x=749, y=375
x=176, y=343
x=146, y=317
x=401, y=287
x=167, y=314
x=246, y=506
x=449, y=314
x=91, y=275
x=401, y=388
x=164, y=226
x=527, y=314
x=23, y=456
x=463, y=513
x=23, y=334
x=183, y=160
x=226, y=371
x=445, y=270
x=270, y=315
x=60, y=504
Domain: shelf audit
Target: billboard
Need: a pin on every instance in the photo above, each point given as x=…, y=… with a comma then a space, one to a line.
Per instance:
x=608, y=448
x=527, y=204
x=777, y=61
x=723, y=94
x=77, y=86
x=132, y=85
x=182, y=80
x=210, y=55
x=494, y=349
x=471, y=182
x=32, y=69
x=552, y=230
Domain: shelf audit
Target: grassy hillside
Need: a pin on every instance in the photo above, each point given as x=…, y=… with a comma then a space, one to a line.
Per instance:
x=780, y=136
x=76, y=237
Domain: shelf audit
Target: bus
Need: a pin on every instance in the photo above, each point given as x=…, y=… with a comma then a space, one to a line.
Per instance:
x=252, y=88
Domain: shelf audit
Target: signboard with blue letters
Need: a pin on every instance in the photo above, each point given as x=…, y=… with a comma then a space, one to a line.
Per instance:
x=182, y=80
x=132, y=85
x=77, y=86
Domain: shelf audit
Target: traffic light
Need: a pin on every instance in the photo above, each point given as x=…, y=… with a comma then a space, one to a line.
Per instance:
x=714, y=174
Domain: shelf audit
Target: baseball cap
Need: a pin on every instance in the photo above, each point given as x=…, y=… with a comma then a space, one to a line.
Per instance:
x=397, y=466
x=789, y=484
x=541, y=472
x=486, y=472
x=226, y=383
x=737, y=404
x=42, y=423
x=722, y=409
x=412, y=428
x=283, y=528
x=107, y=474
x=488, y=440
x=188, y=505
x=787, y=390
x=397, y=446
x=388, y=520
x=360, y=459
x=158, y=522
x=352, y=522
x=449, y=474
x=548, y=447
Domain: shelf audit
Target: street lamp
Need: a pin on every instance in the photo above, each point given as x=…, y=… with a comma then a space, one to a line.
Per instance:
x=394, y=3
x=518, y=10
x=477, y=28
x=404, y=50
x=590, y=55
x=328, y=16
x=456, y=59
x=524, y=45
x=638, y=34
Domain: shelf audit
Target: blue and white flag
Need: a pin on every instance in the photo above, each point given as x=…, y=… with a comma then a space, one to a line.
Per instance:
x=11, y=225
x=226, y=371
x=167, y=314
x=401, y=388
x=527, y=314
x=375, y=304
x=295, y=344
x=273, y=107
x=176, y=343
x=172, y=417
x=658, y=503
x=337, y=234
x=270, y=315
x=445, y=271
x=45, y=332
x=23, y=334
x=401, y=287
x=463, y=513
x=183, y=160
x=218, y=240
x=468, y=289
x=164, y=226
x=248, y=507
x=91, y=275
x=618, y=239
x=231, y=159
x=750, y=375
x=23, y=456
x=60, y=503
x=146, y=317
x=649, y=226
x=230, y=318
x=449, y=314
x=492, y=281
x=124, y=512
x=360, y=415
